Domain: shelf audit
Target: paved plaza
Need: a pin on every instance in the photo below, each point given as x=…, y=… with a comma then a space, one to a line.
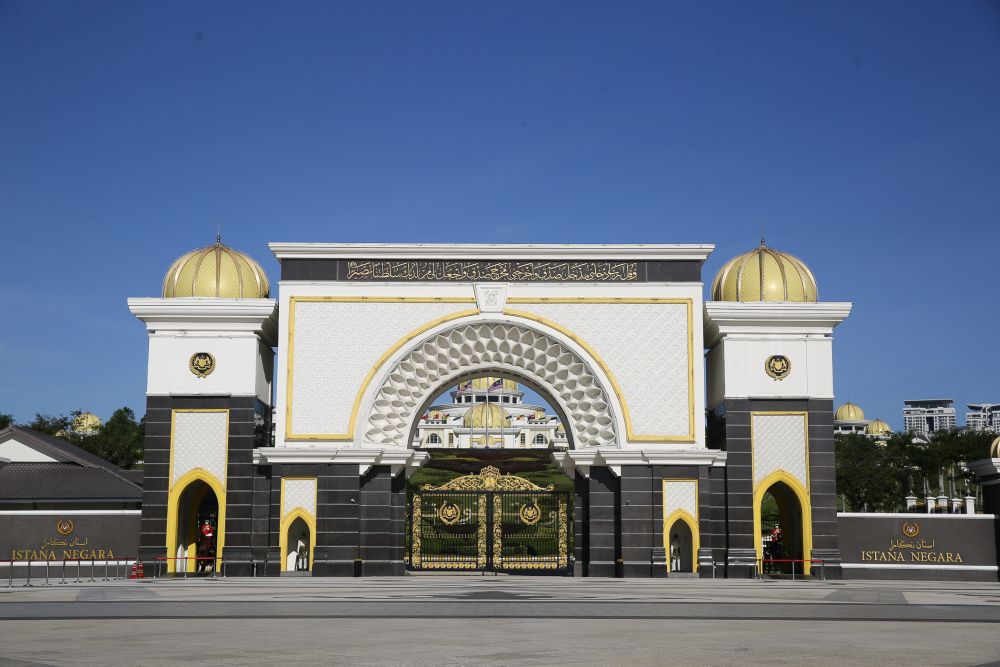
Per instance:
x=498, y=620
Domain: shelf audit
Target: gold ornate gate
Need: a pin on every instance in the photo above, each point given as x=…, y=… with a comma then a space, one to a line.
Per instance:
x=489, y=521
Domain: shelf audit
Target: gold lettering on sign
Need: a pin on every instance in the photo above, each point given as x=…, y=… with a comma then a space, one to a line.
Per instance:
x=493, y=271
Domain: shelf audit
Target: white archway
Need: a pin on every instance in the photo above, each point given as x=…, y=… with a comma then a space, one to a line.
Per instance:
x=408, y=382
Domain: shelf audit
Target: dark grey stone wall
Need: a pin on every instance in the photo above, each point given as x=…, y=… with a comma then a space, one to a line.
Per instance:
x=603, y=523
x=739, y=481
x=382, y=522
x=243, y=435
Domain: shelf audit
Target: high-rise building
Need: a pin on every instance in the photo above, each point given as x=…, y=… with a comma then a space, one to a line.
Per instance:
x=983, y=417
x=927, y=416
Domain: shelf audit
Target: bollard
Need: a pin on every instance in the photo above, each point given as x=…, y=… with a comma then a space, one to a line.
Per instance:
x=28, y=582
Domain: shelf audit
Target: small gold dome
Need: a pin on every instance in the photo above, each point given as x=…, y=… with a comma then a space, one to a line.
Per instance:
x=849, y=412
x=995, y=448
x=764, y=274
x=560, y=429
x=486, y=415
x=86, y=423
x=484, y=383
x=216, y=271
x=878, y=427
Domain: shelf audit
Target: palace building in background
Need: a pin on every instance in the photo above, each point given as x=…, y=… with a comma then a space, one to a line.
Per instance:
x=373, y=360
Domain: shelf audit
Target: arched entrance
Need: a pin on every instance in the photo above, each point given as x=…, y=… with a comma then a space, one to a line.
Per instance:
x=298, y=532
x=787, y=537
x=681, y=549
x=196, y=521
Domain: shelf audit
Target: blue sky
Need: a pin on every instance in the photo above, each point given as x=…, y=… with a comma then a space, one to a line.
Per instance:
x=864, y=137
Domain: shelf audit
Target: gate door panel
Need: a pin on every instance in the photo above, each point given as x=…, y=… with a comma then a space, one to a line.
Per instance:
x=489, y=521
x=449, y=531
x=529, y=531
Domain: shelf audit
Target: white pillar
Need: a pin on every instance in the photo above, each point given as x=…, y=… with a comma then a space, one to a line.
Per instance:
x=970, y=505
x=930, y=504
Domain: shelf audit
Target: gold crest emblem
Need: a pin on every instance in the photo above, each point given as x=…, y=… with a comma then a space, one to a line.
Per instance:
x=910, y=529
x=64, y=526
x=530, y=514
x=778, y=366
x=202, y=364
x=449, y=514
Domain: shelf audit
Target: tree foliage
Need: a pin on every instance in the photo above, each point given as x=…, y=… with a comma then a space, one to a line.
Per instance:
x=6, y=420
x=877, y=476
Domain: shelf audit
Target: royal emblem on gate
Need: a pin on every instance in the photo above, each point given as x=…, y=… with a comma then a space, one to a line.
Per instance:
x=530, y=514
x=64, y=526
x=910, y=529
x=449, y=514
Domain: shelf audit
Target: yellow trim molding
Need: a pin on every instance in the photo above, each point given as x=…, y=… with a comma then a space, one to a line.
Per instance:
x=292, y=514
x=289, y=375
x=176, y=490
x=173, y=500
x=629, y=432
x=693, y=522
x=802, y=495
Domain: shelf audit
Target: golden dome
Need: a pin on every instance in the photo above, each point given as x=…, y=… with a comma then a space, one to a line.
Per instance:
x=878, y=427
x=764, y=274
x=561, y=428
x=484, y=383
x=995, y=448
x=86, y=423
x=486, y=415
x=849, y=412
x=216, y=271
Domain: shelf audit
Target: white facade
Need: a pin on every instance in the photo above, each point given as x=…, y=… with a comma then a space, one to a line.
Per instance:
x=924, y=417
x=360, y=361
x=983, y=417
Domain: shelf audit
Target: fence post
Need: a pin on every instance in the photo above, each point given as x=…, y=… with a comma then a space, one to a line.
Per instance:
x=105, y=570
x=46, y=570
x=92, y=570
x=10, y=574
x=28, y=582
x=63, y=580
x=77, y=570
x=793, y=570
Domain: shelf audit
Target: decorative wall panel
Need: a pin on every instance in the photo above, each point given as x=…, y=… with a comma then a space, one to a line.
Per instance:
x=334, y=345
x=680, y=494
x=416, y=376
x=200, y=440
x=779, y=443
x=647, y=347
x=298, y=493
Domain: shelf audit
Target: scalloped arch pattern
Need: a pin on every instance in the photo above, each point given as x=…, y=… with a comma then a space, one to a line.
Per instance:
x=535, y=354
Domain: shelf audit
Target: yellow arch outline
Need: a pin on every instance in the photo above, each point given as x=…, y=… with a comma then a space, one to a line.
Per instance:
x=692, y=524
x=803, y=497
x=286, y=523
x=173, y=499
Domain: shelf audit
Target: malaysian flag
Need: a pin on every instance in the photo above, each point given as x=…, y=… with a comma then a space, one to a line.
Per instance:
x=465, y=387
x=498, y=384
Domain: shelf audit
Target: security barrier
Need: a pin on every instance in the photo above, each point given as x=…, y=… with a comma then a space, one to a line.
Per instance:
x=762, y=568
x=45, y=572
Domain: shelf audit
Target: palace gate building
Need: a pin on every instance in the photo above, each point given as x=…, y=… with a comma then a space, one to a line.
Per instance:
x=281, y=427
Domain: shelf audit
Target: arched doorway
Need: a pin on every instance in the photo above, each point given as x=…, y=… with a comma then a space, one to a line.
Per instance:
x=298, y=532
x=680, y=545
x=195, y=498
x=783, y=525
x=197, y=539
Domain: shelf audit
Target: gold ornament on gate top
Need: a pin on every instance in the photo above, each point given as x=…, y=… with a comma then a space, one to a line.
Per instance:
x=778, y=366
x=202, y=364
x=530, y=514
x=489, y=479
x=910, y=529
x=449, y=514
